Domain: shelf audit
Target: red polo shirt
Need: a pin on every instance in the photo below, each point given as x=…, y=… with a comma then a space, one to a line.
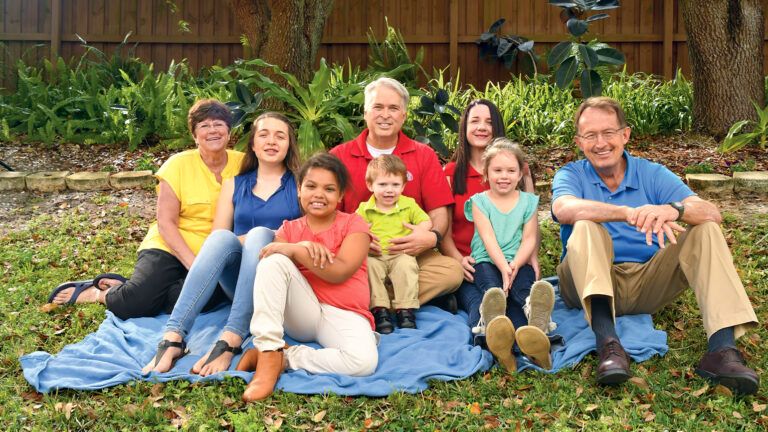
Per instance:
x=462, y=229
x=426, y=180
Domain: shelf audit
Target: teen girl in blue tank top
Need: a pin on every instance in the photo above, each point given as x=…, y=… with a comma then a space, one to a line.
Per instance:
x=250, y=208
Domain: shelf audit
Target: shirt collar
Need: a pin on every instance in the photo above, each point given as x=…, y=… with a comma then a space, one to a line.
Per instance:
x=630, y=180
x=370, y=205
x=404, y=145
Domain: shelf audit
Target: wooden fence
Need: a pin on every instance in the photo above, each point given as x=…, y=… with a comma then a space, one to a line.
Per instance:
x=649, y=32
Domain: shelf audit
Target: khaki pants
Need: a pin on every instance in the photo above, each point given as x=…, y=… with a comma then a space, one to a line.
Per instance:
x=403, y=272
x=700, y=259
x=285, y=303
x=438, y=275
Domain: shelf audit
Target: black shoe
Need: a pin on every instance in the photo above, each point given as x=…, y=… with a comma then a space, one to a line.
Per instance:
x=446, y=302
x=727, y=367
x=381, y=319
x=406, y=318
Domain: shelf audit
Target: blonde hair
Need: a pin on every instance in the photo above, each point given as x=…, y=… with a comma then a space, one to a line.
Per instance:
x=498, y=146
x=386, y=164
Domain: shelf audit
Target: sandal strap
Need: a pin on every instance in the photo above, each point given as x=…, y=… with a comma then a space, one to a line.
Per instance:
x=165, y=344
x=219, y=348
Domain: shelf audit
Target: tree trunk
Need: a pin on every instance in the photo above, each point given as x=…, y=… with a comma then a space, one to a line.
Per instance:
x=725, y=44
x=286, y=33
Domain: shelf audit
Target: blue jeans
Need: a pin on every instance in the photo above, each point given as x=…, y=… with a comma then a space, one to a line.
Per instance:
x=488, y=276
x=222, y=260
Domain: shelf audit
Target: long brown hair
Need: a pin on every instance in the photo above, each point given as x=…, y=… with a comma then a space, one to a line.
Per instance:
x=462, y=154
x=292, y=160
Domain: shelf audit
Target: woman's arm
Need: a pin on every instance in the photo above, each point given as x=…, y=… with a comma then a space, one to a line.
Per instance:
x=225, y=209
x=168, y=209
x=343, y=265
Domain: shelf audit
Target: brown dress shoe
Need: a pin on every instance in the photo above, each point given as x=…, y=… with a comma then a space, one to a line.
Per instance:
x=248, y=361
x=727, y=367
x=268, y=369
x=613, y=366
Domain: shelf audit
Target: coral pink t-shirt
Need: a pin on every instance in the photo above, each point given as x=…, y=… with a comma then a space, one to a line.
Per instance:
x=354, y=293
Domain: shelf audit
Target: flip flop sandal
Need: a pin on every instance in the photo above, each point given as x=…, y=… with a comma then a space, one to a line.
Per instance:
x=79, y=287
x=219, y=348
x=163, y=346
x=116, y=276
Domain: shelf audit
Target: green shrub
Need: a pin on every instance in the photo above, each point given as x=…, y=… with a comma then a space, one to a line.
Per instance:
x=699, y=168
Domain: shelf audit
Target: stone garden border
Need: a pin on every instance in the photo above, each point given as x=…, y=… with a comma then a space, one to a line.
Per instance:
x=57, y=181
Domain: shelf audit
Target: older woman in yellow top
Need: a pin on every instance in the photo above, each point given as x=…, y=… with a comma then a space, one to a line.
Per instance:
x=189, y=185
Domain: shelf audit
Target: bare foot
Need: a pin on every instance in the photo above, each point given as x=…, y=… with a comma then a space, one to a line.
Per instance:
x=106, y=283
x=222, y=362
x=89, y=295
x=169, y=357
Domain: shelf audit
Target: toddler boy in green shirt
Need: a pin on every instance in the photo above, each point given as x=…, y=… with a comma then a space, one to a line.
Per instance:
x=390, y=214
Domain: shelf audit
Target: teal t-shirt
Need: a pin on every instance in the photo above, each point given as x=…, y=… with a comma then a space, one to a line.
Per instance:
x=508, y=227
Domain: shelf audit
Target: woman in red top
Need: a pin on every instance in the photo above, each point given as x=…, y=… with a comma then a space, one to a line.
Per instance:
x=480, y=123
x=312, y=283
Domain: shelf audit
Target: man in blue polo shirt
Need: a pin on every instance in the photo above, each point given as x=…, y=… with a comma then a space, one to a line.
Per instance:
x=616, y=212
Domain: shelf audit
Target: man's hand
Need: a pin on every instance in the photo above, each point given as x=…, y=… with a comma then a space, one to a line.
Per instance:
x=655, y=219
x=414, y=243
x=375, y=248
x=467, y=264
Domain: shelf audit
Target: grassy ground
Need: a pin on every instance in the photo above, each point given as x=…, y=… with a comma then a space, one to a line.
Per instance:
x=665, y=394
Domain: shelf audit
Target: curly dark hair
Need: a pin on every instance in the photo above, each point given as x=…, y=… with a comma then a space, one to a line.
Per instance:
x=328, y=162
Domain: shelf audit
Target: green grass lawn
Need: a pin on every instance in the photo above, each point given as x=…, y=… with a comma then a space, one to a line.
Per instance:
x=665, y=393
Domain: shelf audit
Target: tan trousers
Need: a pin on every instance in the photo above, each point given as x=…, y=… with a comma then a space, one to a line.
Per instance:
x=438, y=275
x=700, y=259
x=403, y=272
x=285, y=303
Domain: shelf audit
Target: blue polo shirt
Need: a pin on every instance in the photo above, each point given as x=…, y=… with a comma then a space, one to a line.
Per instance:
x=252, y=211
x=644, y=182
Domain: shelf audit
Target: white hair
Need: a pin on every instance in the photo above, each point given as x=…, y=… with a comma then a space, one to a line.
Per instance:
x=373, y=87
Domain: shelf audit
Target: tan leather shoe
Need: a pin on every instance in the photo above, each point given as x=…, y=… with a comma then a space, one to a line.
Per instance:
x=268, y=369
x=248, y=361
x=534, y=344
x=500, y=338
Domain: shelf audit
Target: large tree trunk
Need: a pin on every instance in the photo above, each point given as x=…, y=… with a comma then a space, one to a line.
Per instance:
x=725, y=44
x=285, y=33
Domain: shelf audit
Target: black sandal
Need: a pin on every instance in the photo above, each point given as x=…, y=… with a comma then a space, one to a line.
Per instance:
x=163, y=346
x=219, y=348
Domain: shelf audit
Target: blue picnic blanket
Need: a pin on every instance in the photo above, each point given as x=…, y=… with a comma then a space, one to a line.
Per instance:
x=439, y=349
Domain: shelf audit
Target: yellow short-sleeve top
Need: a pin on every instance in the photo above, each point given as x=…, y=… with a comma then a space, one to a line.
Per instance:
x=197, y=189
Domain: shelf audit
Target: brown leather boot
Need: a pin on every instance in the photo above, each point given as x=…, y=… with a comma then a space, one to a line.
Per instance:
x=248, y=361
x=268, y=369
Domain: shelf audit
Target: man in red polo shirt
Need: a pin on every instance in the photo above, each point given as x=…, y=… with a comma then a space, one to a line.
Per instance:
x=386, y=102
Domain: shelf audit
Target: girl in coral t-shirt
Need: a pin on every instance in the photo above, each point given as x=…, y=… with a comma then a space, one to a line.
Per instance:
x=312, y=283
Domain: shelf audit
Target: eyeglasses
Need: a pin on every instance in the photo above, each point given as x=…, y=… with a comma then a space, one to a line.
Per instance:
x=211, y=125
x=607, y=135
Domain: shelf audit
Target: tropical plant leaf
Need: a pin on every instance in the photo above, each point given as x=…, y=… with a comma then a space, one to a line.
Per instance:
x=577, y=27
x=526, y=46
x=449, y=121
x=442, y=96
x=559, y=53
x=610, y=56
x=496, y=26
x=504, y=46
x=243, y=93
x=566, y=72
x=606, y=4
x=591, y=84
x=309, y=139
x=597, y=17
x=588, y=55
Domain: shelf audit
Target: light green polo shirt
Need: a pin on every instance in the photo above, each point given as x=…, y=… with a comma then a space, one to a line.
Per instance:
x=387, y=226
x=508, y=227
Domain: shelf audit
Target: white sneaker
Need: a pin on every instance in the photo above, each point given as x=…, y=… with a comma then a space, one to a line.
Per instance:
x=538, y=306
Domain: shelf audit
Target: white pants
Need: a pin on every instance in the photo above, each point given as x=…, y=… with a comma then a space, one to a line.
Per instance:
x=285, y=303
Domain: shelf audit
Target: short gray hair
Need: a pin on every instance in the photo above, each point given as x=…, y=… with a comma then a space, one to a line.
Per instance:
x=373, y=87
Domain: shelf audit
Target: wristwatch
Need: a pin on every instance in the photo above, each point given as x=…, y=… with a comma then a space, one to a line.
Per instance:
x=677, y=205
x=438, y=235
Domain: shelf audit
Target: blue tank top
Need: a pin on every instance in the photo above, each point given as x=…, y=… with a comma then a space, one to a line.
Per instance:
x=252, y=211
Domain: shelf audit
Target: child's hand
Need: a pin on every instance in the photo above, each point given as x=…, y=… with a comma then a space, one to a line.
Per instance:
x=534, y=262
x=512, y=273
x=467, y=264
x=319, y=253
x=506, y=277
x=273, y=248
